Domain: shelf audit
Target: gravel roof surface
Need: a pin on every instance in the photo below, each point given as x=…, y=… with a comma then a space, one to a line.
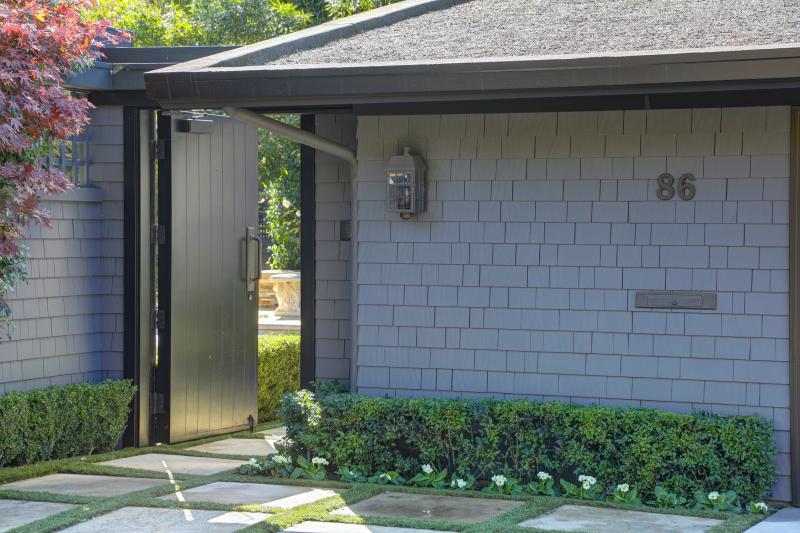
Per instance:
x=513, y=28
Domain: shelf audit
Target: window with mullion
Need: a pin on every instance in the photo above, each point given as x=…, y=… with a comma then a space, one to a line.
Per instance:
x=72, y=157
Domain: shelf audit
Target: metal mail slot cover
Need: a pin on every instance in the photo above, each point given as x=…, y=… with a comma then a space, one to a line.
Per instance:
x=676, y=299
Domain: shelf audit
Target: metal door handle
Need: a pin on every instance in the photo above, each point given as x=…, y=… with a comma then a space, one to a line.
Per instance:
x=252, y=277
x=258, y=255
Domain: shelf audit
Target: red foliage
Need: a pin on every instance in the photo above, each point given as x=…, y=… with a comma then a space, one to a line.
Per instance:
x=42, y=43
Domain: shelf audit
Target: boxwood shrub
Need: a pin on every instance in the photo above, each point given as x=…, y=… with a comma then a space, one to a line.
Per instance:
x=278, y=371
x=518, y=438
x=63, y=421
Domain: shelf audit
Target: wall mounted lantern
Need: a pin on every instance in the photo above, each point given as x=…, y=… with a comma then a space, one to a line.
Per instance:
x=406, y=187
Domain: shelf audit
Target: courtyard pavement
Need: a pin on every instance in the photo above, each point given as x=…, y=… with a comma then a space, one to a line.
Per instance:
x=201, y=492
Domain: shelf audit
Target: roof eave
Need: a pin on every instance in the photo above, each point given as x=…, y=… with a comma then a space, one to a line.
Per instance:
x=279, y=86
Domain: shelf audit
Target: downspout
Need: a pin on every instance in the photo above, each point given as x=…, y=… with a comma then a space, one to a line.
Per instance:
x=296, y=134
x=342, y=152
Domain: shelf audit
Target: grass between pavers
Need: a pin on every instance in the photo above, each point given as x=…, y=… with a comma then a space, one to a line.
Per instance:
x=89, y=507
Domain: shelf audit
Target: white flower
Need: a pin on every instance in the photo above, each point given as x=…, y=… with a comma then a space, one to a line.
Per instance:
x=427, y=469
x=713, y=496
x=587, y=485
x=281, y=459
x=385, y=476
x=761, y=506
x=624, y=487
x=499, y=480
x=286, y=203
x=460, y=483
x=253, y=461
x=297, y=213
x=319, y=461
x=544, y=476
x=587, y=479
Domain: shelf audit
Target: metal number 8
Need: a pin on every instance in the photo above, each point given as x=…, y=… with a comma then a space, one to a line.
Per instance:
x=665, y=187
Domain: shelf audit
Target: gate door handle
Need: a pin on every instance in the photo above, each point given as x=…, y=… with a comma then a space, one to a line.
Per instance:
x=253, y=268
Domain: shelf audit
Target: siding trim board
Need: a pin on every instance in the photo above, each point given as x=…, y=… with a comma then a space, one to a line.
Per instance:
x=794, y=312
x=308, y=271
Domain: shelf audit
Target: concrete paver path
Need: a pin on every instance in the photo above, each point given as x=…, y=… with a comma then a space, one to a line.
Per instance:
x=85, y=485
x=152, y=520
x=599, y=520
x=16, y=513
x=234, y=493
x=249, y=447
x=176, y=464
x=398, y=504
x=335, y=527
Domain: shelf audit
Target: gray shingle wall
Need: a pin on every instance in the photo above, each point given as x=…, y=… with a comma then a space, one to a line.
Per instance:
x=520, y=279
x=333, y=256
x=68, y=314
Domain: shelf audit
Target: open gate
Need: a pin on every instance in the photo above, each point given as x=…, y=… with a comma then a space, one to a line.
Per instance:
x=205, y=263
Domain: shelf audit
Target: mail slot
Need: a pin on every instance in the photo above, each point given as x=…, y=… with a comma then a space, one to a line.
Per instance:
x=676, y=299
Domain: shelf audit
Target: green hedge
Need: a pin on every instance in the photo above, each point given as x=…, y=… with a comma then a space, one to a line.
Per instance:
x=278, y=371
x=518, y=438
x=63, y=421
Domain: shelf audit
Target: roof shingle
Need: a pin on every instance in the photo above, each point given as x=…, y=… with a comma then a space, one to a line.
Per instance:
x=520, y=28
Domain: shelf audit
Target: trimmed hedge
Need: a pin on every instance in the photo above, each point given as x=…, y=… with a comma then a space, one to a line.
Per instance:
x=63, y=421
x=278, y=371
x=518, y=438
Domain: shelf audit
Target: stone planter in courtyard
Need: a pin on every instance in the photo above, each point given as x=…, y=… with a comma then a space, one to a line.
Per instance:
x=287, y=290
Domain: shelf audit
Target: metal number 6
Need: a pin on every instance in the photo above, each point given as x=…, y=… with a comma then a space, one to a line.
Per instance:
x=686, y=189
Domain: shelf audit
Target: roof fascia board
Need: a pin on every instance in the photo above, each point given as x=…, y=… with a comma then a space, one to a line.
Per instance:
x=97, y=78
x=299, y=105
x=159, y=55
x=452, y=81
x=270, y=49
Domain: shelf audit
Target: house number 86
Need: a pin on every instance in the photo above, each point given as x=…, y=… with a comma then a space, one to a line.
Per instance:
x=666, y=187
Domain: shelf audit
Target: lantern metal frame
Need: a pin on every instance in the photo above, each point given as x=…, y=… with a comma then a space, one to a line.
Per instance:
x=406, y=184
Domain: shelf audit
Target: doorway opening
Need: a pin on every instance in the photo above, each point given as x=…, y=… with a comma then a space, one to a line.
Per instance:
x=200, y=243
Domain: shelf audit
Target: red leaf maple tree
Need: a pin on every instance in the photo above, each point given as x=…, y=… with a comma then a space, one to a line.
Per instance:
x=42, y=43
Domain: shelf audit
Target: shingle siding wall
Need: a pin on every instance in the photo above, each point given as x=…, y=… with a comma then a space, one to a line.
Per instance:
x=68, y=314
x=520, y=279
x=333, y=255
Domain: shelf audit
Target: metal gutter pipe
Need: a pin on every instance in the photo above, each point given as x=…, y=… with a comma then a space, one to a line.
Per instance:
x=296, y=134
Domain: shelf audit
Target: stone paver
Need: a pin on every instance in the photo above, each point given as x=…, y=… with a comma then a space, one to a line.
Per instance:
x=599, y=520
x=16, y=513
x=231, y=492
x=275, y=432
x=249, y=447
x=85, y=485
x=151, y=520
x=177, y=464
x=784, y=521
x=396, y=504
x=334, y=527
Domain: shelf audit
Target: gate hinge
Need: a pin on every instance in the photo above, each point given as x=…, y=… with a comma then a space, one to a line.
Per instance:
x=157, y=403
x=158, y=319
x=158, y=234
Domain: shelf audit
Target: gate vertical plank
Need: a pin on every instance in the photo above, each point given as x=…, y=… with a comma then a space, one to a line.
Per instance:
x=193, y=284
x=216, y=288
x=178, y=289
x=231, y=262
x=204, y=298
